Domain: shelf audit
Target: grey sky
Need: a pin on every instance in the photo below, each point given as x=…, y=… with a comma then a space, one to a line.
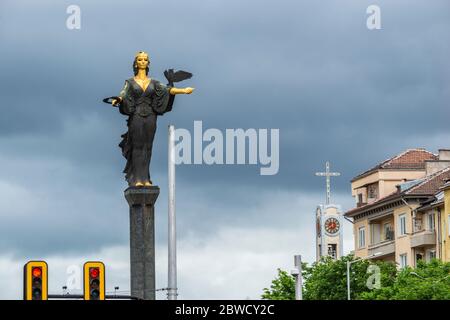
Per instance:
x=336, y=90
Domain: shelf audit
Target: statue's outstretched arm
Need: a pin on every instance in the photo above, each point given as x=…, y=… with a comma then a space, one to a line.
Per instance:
x=187, y=90
x=122, y=94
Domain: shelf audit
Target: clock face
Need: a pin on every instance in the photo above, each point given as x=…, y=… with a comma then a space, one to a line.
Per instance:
x=332, y=225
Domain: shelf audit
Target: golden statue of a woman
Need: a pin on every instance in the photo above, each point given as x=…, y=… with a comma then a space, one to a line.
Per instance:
x=143, y=99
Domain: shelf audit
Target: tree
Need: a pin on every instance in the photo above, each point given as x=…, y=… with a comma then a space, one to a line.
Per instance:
x=282, y=288
x=428, y=281
x=327, y=280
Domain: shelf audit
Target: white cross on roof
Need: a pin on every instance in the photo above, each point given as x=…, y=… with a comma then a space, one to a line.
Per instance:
x=328, y=174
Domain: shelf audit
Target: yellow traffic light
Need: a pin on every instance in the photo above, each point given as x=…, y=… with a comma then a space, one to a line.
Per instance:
x=35, y=280
x=94, y=280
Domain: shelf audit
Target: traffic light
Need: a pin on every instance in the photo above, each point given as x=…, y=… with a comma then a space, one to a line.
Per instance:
x=94, y=280
x=35, y=280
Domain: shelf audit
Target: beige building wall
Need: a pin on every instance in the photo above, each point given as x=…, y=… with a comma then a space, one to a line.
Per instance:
x=439, y=246
x=390, y=186
x=445, y=227
x=401, y=175
x=403, y=242
x=422, y=225
x=387, y=181
x=390, y=180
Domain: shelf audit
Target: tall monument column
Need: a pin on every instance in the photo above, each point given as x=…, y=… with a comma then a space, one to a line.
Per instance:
x=142, y=240
x=143, y=100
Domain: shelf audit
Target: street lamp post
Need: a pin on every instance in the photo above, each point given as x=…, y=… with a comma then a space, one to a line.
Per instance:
x=297, y=273
x=349, y=263
x=172, y=292
x=348, y=280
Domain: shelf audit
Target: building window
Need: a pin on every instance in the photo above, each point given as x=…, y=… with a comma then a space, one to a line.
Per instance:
x=419, y=257
x=402, y=224
x=431, y=221
x=375, y=233
x=372, y=191
x=332, y=250
x=362, y=237
x=418, y=223
x=403, y=260
x=431, y=255
x=388, y=232
x=360, y=198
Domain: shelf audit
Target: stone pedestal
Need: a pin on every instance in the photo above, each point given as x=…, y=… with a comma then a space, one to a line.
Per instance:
x=142, y=240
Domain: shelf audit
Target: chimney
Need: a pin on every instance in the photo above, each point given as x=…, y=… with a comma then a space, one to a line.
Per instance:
x=444, y=154
x=433, y=166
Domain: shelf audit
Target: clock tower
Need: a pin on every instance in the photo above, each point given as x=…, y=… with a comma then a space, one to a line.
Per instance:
x=328, y=223
x=329, y=231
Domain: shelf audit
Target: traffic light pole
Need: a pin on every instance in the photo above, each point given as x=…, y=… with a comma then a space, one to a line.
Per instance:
x=141, y=201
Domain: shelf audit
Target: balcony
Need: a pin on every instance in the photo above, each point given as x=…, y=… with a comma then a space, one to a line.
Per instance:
x=383, y=248
x=423, y=238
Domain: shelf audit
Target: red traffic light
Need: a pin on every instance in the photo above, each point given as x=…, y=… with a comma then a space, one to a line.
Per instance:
x=35, y=280
x=94, y=272
x=37, y=272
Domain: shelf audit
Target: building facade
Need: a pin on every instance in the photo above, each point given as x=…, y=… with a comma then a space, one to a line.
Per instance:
x=400, y=212
x=445, y=223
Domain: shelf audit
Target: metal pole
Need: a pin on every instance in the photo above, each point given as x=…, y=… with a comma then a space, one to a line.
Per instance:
x=298, y=278
x=348, y=280
x=172, y=277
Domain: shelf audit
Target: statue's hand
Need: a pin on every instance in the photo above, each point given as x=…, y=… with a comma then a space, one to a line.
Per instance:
x=115, y=102
x=188, y=90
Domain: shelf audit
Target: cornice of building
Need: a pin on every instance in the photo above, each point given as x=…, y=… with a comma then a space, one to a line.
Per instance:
x=389, y=202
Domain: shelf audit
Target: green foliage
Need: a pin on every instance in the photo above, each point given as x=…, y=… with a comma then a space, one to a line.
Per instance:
x=327, y=280
x=428, y=281
x=282, y=288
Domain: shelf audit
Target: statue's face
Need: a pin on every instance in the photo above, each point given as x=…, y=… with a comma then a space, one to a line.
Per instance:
x=142, y=61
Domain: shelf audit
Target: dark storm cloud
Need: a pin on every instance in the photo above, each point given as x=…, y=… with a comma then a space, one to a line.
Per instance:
x=336, y=91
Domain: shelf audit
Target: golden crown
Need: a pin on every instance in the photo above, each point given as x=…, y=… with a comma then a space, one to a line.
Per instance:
x=142, y=52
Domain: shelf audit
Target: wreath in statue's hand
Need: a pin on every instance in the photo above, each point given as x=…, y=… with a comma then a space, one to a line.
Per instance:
x=109, y=100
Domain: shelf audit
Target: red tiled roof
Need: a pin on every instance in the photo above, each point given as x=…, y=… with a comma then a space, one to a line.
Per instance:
x=431, y=184
x=428, y=187
x=413, y=159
